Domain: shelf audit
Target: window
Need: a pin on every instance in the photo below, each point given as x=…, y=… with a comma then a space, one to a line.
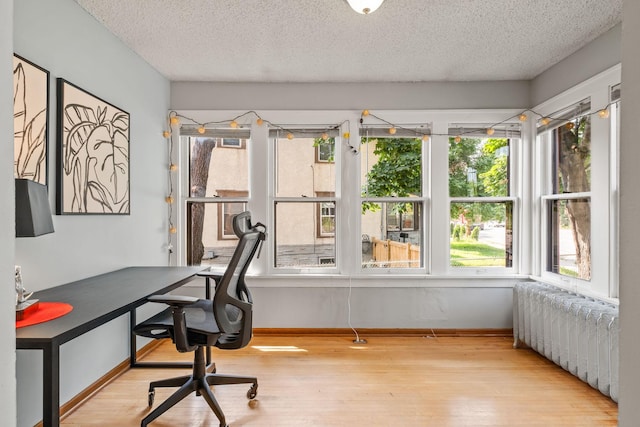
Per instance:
x=304, y=202
x=567, y=144
x=325, y=150
x=481, y=207
x=226, y=212
x=392, y=200
x=232, y=142
x=326, y=216
x=214, y=197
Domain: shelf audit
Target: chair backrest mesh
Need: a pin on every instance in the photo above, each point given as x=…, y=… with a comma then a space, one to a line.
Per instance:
x=232, y=299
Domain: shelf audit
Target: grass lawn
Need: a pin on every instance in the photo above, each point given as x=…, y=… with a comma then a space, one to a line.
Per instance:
x=471, y=253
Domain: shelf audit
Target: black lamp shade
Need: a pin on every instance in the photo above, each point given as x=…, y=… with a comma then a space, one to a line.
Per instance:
x=33, y=213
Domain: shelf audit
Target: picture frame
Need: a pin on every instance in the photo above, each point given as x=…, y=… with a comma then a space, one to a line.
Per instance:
x=92, y=154
x=31, y=120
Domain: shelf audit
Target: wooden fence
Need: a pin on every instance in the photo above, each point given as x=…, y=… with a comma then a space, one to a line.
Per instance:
x=392, y=254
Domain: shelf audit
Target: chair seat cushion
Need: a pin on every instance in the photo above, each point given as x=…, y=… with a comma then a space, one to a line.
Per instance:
x=201, y=325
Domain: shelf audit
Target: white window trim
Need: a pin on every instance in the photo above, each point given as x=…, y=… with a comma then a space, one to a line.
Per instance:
x=435, y=197
x=604, y=240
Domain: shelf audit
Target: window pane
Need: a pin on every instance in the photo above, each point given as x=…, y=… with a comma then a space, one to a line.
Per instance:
x=210, y=156
x=391, y=167
x=210, y=236
x=572, y=156
x=297, y=173
x=481, y=234
x=297, y=240
x=478, y=167
x=570, y=238
x=391, y=235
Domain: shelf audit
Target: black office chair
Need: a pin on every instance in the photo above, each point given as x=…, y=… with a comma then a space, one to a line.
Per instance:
x=193, y=324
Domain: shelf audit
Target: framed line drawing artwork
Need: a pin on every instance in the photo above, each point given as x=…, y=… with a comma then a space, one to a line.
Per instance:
x=30, y=120
x=92, y=154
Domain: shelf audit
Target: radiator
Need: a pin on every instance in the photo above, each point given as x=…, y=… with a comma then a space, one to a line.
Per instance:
x=578, y=333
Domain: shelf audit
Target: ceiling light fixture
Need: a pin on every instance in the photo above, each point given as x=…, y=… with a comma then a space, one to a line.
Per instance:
x=365, y=7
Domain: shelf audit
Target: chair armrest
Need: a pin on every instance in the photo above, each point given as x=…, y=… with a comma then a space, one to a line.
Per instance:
x=177, y=303
x=174, y=300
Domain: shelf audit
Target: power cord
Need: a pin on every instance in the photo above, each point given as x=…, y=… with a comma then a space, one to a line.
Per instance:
x=358, y=340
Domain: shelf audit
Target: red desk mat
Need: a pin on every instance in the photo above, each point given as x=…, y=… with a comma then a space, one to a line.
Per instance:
x=46, y=311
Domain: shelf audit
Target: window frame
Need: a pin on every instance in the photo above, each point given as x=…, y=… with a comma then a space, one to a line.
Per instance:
x=307, y=130
x=604, y=177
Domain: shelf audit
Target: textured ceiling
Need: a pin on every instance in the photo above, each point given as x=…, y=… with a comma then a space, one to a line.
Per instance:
x=326, y=41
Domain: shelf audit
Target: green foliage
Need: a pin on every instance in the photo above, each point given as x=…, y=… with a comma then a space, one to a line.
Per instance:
x=398, y=171
x=458, y=232
x=475, y=233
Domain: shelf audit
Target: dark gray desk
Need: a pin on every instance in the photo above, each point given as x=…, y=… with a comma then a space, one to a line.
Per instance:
x=96, y=301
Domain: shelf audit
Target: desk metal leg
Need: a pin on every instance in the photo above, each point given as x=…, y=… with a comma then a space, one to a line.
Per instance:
x=51, y=386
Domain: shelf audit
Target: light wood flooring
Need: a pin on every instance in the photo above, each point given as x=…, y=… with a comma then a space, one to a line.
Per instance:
x=390, y=381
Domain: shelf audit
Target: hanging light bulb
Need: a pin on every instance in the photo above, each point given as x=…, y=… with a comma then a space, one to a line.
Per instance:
x=233, y=124
x=201, y=130
x=392, y=130
x=457, y=138
x=545, y=121
x=289, y=136
x=365, y=113
x=604, y=113
x=365, y=7
x=491, y=131
x=174, y=120
x=522, y=117
x=259, y=121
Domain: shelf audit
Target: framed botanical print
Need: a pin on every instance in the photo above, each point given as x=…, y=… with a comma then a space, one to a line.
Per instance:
x=30, y=120
x=92, y=154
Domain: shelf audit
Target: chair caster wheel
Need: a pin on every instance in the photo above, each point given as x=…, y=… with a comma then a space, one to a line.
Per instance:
x=152, y=395
x=252, y=393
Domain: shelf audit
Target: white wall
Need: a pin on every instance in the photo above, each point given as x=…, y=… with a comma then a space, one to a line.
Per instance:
x=349, y=96
x=61, y=37
x=7, y=228
x=599, y=55
x=629, y=410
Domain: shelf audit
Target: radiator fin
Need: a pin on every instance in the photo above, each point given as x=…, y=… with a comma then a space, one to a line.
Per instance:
x=577, y=333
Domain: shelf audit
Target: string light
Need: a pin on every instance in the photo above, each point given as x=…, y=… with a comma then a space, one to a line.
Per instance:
x=201, y=130
x=392, y=131
x=346, y=135
x=233, y=124
x=173, y=230
x=457, y=138
x=522, y=117
x=259, y=121
x=166, y=134
x=173, y=167
x=491, y=131
x=174, y=120
x=168, y=199
x=604, y=113
x=425, y=138
x=289, y=136
x=570, y=125
x=365, y=113
x=324, y=136
x=545, y=121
